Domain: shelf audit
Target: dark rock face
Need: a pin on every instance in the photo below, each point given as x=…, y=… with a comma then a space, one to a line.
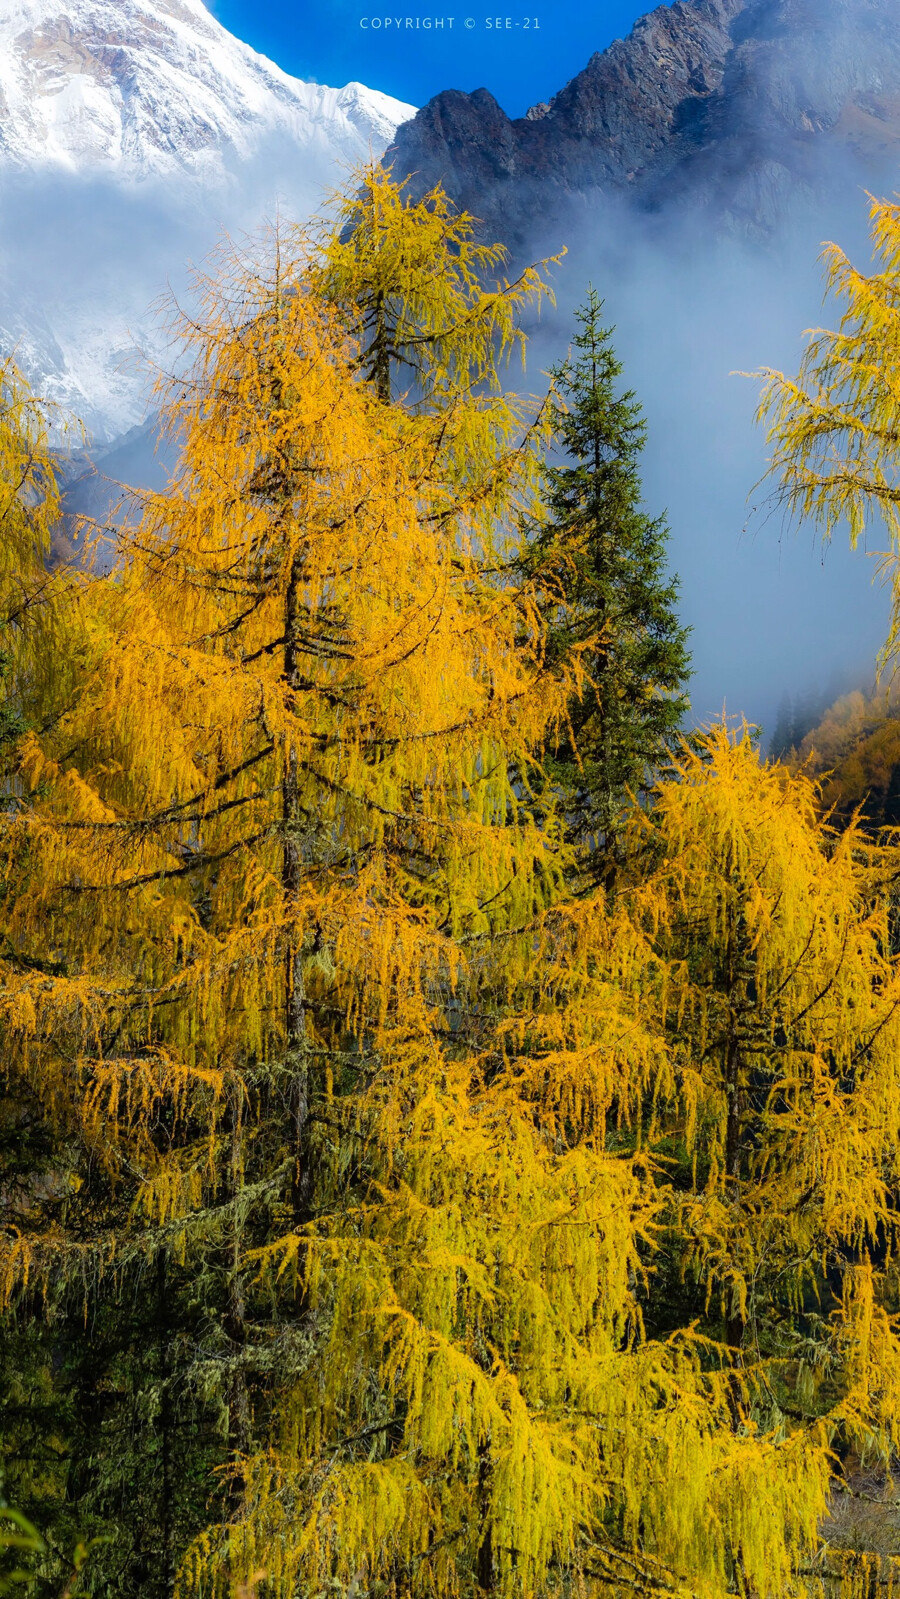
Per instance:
x=730, y=104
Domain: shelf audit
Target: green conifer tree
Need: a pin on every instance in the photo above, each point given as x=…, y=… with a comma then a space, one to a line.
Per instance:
x=782, y=740
x=616, y=601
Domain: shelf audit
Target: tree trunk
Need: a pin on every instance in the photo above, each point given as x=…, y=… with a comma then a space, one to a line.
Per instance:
x=735, y=1321
x=295, y=998
x=381, y=360
x=484, y=1565
x=235, y=1312
x=167, y=1573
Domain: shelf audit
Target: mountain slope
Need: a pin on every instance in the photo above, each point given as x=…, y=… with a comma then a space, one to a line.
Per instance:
x=729, y=104
x=159, y=87
x=132, y=134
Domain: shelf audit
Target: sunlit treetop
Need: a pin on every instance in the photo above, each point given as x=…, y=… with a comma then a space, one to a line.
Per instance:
x=436, y=324
x=34, y=660
x=835, y=428
x=433, y=314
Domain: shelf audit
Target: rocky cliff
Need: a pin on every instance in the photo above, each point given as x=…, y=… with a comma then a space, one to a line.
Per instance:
x=731, y=104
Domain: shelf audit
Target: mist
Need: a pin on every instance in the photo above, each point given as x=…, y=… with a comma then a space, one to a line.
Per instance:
x=693, y=304
x=89, y=267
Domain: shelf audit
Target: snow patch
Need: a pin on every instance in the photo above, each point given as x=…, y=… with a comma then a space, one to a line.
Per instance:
x=132, y=132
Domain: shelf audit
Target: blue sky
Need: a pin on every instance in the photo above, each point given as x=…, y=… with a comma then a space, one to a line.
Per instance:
x=333, y=41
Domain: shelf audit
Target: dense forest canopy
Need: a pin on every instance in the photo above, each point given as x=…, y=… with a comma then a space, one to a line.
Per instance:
x=450, y=1121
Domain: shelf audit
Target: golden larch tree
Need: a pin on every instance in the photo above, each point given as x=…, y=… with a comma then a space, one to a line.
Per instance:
x=317, y=1003
x=834, y=427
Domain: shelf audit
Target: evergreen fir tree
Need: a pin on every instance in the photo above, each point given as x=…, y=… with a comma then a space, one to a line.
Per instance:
x=616, y=602
x=782, y=740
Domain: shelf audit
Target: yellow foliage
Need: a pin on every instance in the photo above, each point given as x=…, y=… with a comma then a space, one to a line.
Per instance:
x=288, y=961
x=834, y=428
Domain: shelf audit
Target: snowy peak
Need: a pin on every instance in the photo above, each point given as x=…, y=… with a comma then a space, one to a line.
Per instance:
x=137, y=131
x=137, y=88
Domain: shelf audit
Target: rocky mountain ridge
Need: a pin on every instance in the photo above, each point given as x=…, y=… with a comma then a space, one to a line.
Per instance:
x=732, y=105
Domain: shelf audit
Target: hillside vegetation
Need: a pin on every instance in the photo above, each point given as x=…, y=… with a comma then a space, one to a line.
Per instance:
x=450, y=1121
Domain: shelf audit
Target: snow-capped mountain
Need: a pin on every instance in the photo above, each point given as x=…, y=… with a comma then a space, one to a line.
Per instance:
x=159, y=87
x=132, y=133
